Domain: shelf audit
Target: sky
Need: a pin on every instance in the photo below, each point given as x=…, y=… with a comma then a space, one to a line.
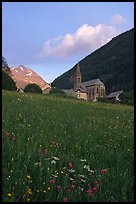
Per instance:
x=51, y=37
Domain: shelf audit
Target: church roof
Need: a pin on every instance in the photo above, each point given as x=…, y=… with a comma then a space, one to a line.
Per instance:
x=92, y=82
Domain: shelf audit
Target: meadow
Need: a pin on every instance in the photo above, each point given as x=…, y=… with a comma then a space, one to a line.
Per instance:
x=57, y=149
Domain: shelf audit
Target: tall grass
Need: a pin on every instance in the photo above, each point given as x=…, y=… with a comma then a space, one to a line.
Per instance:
x=58, y=149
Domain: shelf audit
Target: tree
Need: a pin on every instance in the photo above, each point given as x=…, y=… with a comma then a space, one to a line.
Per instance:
x=7, y=82
x=32, y=88
x=5, y=66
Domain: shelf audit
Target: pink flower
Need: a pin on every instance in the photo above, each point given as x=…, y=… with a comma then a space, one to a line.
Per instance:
x=103, y=171
x=70, y=165
x=52, y=181
x=68, y=190
x=90, y=192
x=94, y=189
x=65, y=199
x=72, y=186
x=58, y=187
x=53, y=142
x=14, y=139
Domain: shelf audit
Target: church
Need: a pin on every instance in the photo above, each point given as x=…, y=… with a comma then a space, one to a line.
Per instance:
x=88, y=90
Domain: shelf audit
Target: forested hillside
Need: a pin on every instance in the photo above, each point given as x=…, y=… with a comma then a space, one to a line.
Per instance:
x=113, y=64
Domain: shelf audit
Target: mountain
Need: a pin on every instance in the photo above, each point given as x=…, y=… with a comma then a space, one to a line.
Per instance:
x=23, y=76
x=113, y=64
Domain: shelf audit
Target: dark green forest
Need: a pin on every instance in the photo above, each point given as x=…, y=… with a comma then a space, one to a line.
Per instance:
x=113, y=64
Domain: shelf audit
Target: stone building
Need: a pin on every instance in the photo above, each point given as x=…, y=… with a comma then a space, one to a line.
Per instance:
x=114, y=96
x=88, y=90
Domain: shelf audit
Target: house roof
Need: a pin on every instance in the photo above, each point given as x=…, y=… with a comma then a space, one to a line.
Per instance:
x=81, y=88
x=114, y=94
x=92, y=82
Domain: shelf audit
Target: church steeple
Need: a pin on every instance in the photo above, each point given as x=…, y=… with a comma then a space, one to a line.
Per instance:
x=78, y=77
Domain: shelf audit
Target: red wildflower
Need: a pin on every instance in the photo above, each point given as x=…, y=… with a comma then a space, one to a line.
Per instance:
x=90, y=192
x=58, y=187
x=70, y=165
x=103, y=171
x=72, y=186
x=65, y=199
x=94, y=189
x=52, y=181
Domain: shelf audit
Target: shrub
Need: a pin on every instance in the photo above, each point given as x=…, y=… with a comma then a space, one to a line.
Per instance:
x=32, y=88
x=7, y=82
x=57, y=91
x=127, y=97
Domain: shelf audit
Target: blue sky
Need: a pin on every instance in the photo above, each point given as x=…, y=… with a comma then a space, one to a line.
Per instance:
x=51, y=37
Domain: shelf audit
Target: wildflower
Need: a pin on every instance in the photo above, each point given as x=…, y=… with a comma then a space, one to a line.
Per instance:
x=49, y=188
x=71, y=170
x=83, y=160
x=53, y=142
x=94, y=189
x=65, y=199
x=103, y=171
x=68, y=190
x=72, y=186
x=70, y=165
x=90, y=192
x=82, y=180
x=86, y=167
x=29, y=191
x=82, y=176
x=52, y=181
x=28, y=178
x=55, y=158
x=53, y=162
x=14, y=139
x=58, y=187
x=9, y=194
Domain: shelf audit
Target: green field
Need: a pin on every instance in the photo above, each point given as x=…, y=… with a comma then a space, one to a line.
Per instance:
x=66, y=150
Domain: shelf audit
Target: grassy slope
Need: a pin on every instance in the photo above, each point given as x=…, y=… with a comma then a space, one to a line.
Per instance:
x=100, y=133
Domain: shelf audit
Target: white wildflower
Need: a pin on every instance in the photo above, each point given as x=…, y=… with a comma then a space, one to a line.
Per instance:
x=55, y=158
x=53, y=162
x=83, y=160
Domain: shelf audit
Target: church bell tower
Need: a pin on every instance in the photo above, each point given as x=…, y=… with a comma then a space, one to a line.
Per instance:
x=78, y=78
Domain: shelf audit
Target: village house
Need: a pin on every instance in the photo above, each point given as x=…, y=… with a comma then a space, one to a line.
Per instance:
x=114, y=96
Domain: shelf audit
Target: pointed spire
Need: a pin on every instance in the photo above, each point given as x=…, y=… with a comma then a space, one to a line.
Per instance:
x=77, y=77
x=78, y=73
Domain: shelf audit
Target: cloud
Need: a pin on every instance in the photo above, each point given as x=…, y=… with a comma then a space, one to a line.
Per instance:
x=118, y=19
x=85, y=40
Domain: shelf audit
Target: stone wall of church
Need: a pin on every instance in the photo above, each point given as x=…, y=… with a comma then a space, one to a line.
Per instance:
x=95, y=91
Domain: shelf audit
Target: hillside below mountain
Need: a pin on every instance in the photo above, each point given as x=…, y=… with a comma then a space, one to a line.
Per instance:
x=23, y=76
x=113, y=64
